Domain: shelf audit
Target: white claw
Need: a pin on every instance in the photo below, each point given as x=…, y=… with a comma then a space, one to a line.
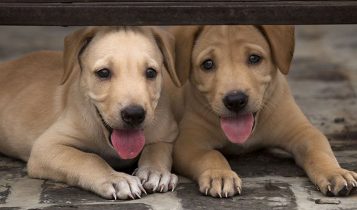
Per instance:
x=114, y=196
x=134, y=172
x=154, y=190
x=162, y=188
x=131, y=196
x=173, y=188
x=206, y=191
x=329, y=188
x=239, y=190
x=142, y=189
x=138, y=195
x=226, y=194
x=220, y=195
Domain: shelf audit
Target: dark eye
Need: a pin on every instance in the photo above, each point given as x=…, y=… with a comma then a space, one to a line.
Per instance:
x=254, y=59
x=103, y=73
x=207, y=65
x=150, y=73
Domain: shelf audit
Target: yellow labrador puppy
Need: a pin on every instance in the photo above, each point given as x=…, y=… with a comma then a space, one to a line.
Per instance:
x=99, y=108
x=237, y=99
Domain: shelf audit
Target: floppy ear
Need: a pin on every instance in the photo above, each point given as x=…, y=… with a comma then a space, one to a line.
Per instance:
x=185, y=37
x=74, y=44
x=282, y=42
x=166, y=44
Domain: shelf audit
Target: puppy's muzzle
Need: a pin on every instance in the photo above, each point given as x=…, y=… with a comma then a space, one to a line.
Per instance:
x=235, y=101
x=133, y=115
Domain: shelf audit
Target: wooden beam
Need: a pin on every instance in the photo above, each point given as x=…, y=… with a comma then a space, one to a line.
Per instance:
x=179, y=12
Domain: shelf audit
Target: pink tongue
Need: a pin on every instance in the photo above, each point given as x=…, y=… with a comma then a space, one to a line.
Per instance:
x=128, y=143
x=239, y=128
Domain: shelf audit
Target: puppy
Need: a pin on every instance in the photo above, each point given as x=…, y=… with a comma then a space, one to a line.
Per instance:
x=237, y=99
x=74, y=116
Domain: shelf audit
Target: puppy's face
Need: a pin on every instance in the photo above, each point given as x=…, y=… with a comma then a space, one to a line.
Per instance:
x=120, y=72
x=122, y=75
x=231, y=67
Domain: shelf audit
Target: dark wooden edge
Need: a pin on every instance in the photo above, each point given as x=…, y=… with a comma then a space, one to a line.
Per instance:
x=179, y=13
x=150, y=1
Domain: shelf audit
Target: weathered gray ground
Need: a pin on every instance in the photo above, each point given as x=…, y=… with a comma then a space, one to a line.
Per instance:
x=324, y=82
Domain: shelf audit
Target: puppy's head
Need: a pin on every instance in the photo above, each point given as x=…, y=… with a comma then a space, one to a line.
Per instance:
x=121, y=74
x=232, y=66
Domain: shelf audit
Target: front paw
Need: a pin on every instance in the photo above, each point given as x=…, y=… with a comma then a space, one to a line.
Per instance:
x=119, y=186
x=336, y=182
x=155, y=180
x=219, y=183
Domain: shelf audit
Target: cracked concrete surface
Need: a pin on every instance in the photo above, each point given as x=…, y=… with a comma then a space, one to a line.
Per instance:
x=323, y=79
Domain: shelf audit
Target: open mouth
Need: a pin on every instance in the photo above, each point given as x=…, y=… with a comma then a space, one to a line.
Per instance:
x=128, y=142
x=238, y=128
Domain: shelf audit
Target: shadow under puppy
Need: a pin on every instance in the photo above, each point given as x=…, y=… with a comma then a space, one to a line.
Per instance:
x=237, y=99
x=74, y=116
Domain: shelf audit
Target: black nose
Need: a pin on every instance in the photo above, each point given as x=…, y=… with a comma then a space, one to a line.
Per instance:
x=235, y=101
x=133, y=115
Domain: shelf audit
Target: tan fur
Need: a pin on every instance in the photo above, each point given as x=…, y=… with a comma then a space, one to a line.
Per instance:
x=279, y=121
x=48, y=115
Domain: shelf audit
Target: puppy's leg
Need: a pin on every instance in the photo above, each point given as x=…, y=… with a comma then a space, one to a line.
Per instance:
x=65, y=163
x=310, y=149
x=313, y=153
x=155, y=166
x=196, y=158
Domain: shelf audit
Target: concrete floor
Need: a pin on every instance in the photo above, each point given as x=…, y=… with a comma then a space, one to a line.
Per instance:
x=324, y=82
